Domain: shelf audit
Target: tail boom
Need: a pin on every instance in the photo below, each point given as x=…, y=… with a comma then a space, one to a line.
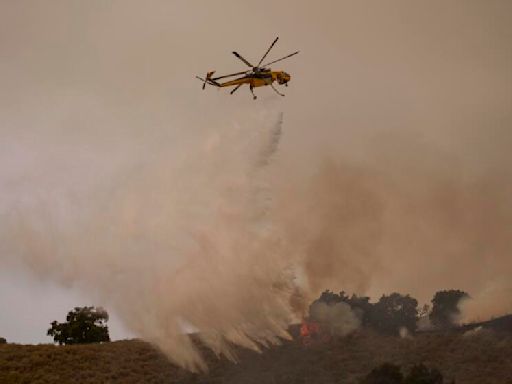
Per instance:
x=208, y=80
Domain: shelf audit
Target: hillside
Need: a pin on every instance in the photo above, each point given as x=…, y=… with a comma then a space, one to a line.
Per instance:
x=483, y=357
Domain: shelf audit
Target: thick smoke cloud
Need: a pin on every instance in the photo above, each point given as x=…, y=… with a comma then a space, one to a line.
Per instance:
x=174, y=244
x=187, y=210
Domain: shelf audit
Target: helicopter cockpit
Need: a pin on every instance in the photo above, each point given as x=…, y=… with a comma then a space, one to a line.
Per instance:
x=283, y=77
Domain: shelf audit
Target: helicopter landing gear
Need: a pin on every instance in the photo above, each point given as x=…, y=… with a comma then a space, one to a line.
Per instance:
x=254, y=97
x=235, y=89
x=275, y=90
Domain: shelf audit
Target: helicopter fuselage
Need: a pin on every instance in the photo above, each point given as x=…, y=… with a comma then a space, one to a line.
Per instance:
x=259, y=79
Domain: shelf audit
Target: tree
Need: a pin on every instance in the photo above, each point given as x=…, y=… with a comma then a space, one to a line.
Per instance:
x=384, y=374
x=331, y=298
x=3, y=340
x=360, y=305
x=83, y=325
x=388, y=315
x=420, y=374
x=445, y=307
x=393, y=312
x=391, y=374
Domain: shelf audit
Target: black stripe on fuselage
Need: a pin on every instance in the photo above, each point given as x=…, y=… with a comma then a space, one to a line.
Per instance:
x=261, y=75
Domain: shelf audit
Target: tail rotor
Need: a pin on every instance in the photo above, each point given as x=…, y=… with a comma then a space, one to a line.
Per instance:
x=207, y=79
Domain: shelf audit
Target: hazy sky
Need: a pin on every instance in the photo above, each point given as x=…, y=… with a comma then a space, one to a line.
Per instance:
x=398, y=110
x=30, y=305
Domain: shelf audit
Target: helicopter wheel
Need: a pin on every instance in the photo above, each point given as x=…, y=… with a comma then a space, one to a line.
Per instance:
x=254, y=97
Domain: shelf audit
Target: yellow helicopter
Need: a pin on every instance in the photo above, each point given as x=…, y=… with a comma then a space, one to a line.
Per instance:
x=257, y=76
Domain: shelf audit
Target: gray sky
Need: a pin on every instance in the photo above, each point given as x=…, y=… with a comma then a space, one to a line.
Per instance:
x=411, y=100
x=30, y=305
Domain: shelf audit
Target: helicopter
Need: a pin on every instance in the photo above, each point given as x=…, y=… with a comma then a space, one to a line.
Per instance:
x=258, y=76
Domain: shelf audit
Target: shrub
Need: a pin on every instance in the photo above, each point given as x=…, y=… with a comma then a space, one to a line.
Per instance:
x=391, y=374
x=384, y=374
x=420, y=374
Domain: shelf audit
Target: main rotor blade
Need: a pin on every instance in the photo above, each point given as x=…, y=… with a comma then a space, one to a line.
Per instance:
x=268, y=50
x=233, y=74
x=282, y=58
x=241, y=58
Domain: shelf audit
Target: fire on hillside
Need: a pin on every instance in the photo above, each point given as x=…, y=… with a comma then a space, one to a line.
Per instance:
x=311, y=333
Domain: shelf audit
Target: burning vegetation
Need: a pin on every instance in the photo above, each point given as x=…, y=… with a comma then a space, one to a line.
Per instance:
x=310, y=333
x=394, y=314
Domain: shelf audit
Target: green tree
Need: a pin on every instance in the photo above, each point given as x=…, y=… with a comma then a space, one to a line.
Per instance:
x=393, y=312
x=83, y=325
x=360, y=305
x=445, y=307
x=3, y=340
x=388, y=315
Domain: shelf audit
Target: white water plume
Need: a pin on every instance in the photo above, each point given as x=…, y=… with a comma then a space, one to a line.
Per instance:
x=173, y=241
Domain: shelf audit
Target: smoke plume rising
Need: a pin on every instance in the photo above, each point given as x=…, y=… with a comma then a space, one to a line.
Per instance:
x=336, y=319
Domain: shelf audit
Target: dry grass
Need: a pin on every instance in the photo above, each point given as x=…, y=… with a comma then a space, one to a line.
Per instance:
x=485, y=357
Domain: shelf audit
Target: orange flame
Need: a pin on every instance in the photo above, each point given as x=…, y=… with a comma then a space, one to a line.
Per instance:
x=308, y=329
x=312, y=333
x=309, y=332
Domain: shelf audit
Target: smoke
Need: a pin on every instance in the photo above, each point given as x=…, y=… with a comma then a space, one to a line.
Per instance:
x=473, y=332
x=404, y=333
x=335, y=319
x=492, y=301
x=411, y=217
x=174, y=243
x=229, y=239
